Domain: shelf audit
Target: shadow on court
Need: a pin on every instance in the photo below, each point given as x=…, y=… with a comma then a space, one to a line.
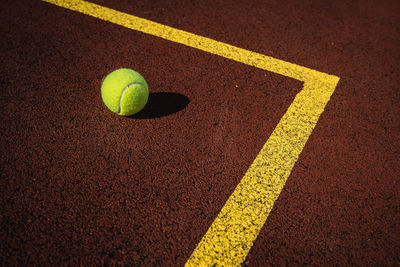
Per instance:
x=162, y=104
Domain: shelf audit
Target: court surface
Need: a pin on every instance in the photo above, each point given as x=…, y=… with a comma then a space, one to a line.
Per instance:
x=271, y=135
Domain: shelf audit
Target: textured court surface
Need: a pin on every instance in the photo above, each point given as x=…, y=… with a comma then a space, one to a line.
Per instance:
x=80, y=185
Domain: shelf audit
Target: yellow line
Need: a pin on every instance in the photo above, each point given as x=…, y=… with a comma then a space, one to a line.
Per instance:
x=188, y=39
x=231, y=235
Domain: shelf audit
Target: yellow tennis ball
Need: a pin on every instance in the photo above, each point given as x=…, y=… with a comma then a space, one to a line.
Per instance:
x=124, y=91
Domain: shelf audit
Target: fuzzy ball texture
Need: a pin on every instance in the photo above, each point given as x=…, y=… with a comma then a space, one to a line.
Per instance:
x=124, y=91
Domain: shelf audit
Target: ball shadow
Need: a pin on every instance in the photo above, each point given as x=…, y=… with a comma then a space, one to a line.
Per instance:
x=161, y=104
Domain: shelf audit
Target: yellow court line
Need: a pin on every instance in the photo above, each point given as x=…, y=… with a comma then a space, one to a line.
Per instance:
x=231, y=235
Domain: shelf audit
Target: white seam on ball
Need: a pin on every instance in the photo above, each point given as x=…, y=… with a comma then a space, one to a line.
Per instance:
x=123, y=92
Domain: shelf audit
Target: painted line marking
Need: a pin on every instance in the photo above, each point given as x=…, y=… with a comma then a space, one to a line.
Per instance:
x=231, y=235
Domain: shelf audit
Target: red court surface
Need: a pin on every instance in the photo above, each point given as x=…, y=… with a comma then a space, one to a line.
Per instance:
x=83, y=186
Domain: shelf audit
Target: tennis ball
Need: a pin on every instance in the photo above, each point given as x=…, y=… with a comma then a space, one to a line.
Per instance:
x=124, y=91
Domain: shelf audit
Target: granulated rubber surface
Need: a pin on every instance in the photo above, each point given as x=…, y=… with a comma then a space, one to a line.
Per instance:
x=83, y=186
